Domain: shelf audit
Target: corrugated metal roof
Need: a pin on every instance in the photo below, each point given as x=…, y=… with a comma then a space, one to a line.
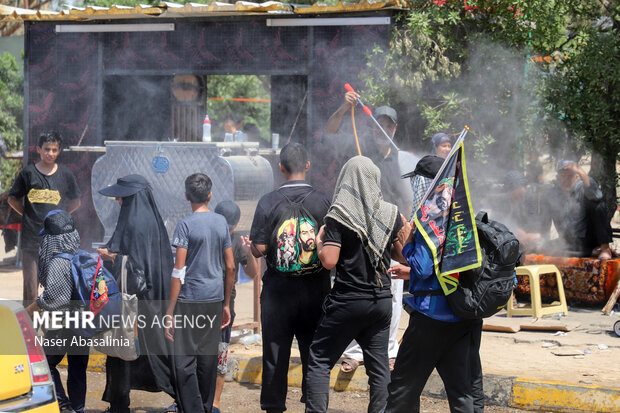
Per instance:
x=167, y=10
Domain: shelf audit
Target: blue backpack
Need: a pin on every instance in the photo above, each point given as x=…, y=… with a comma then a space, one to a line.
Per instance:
x=91, y=281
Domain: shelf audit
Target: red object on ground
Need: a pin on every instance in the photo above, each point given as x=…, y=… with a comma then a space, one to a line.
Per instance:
x=586, y=280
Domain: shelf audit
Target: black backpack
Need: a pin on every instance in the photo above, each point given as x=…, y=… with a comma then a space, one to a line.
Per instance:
x=484, y=291
x=293, y=241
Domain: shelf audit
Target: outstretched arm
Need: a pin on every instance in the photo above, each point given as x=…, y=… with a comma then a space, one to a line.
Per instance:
x=334, y=121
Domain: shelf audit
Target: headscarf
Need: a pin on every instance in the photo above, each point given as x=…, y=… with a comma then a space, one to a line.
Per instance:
x=55, y=274
x=358, y=205
x=52, y=245
x=419, y=185
x=437, y=140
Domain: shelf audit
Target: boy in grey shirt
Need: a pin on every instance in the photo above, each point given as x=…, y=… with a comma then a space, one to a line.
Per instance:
x=197, y=292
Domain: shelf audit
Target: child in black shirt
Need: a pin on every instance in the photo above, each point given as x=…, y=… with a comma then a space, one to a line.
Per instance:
x=38, y=189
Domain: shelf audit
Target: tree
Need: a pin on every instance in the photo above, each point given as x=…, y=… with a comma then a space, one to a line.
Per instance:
x=239, y=86
x=472, y=56
x=11, y=114
x=484, y=62
x=583, y=92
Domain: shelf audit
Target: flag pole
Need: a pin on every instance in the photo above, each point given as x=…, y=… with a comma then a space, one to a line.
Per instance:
x=459, y=140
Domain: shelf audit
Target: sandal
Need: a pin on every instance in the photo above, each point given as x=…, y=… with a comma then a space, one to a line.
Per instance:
x=172, y=408
x=392, y=363
x=349, y=365
x=605, y=255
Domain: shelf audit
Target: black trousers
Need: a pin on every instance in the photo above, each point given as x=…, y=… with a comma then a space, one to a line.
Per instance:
x=429, y=344
x=368, y=322
x=598, y=230
x=195, y=361
x=118, y=384
x=77, y=360
x=477, y=389
x=290, y=307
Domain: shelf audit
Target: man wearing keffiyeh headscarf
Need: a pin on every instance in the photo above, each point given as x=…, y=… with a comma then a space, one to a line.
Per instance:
x=359, y=234
x=60, y=236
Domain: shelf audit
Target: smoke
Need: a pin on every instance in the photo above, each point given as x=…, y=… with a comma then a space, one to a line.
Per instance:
x=137, y=108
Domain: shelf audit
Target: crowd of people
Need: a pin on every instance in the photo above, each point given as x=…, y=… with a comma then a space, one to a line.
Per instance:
x=335, y=273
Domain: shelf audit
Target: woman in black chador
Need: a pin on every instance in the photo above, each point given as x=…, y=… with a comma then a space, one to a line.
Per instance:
x=141, y=235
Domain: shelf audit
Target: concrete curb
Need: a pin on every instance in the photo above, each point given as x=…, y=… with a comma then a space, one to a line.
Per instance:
x=522, y=393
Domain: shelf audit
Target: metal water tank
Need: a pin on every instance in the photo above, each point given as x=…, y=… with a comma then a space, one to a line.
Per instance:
x=243, y=179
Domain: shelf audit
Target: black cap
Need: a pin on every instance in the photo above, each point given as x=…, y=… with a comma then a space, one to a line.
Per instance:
x=428, y=167
x=230, y=211
x=125, y=186
x=57, y=222
x=386, y=111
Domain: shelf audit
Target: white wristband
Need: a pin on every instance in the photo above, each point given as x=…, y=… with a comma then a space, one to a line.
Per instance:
x=180, y=274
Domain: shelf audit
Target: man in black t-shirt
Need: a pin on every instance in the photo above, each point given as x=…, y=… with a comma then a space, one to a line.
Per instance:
x=374, y=145
x=38, y=189
x=291, y=305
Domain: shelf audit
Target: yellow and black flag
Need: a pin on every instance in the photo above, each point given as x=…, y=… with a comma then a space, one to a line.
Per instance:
x=446, y=220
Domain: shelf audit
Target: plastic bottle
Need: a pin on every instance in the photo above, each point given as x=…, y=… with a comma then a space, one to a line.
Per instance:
x=206, y=129
x=251, y=339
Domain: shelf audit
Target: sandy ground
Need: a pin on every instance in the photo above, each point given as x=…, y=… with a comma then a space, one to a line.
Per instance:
x=594, y=353
x=522, y=354
x=527, y=354
x=244, y=398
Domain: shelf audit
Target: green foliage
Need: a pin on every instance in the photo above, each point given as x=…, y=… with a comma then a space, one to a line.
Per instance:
x=475, y=62
x=11, y=114
x=239, y=86
x=583, y=92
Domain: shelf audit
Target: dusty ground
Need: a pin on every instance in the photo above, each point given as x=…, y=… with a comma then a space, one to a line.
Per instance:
x=594, y=353
x=244, y=398
x=524, y=354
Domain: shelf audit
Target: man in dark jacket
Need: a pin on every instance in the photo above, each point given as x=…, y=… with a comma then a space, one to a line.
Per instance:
x=578, y=211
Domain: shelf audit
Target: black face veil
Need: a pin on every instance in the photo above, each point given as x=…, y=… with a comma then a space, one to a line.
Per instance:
x=140, y=233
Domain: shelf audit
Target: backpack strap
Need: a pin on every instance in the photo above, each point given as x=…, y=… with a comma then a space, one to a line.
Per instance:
x=64, y=255
x=482, y=216
x=300, y=202
x=425, y=293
